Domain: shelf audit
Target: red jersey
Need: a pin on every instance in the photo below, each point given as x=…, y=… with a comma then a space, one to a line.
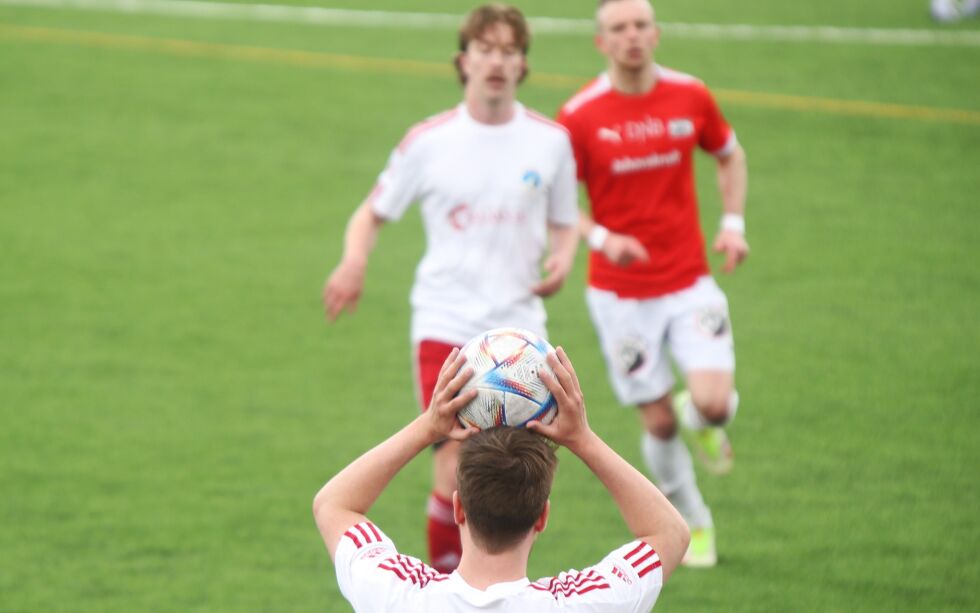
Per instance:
x=635, y=155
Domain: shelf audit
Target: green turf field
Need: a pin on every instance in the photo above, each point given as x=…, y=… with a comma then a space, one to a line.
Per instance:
x=172, y=398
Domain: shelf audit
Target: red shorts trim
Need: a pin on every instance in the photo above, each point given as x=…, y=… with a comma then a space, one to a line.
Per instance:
x=429, y=357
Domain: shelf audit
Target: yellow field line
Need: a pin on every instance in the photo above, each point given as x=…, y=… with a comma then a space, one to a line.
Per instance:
x=336, y=61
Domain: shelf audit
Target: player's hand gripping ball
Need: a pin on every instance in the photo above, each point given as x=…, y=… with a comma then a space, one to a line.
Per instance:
x=505, y=363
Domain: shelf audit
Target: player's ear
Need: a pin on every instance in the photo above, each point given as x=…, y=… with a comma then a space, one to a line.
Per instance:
x=460, y=63
x=458, y=515
x=542, y=522
x=524, y=69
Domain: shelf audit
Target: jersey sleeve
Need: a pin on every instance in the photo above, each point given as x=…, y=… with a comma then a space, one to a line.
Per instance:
x=717, y=137
x=628, y=579
x=563, y=198
x=398, y=184
x=356, y=559
x=636, y=567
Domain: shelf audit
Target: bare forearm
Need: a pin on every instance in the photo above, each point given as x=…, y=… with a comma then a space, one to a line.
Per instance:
x=347, y=497
x=564, y=241
x=359, y=485
x=733, y=181
x=361, y=234
x=647, y=513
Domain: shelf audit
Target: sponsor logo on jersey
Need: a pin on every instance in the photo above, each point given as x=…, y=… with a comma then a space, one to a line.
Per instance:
x=374, y=552
x=625, y=165
x=631, y=354
x=532, y=179
x=713, y=321
x=680, y=128
x=643, y=130
x=463, y=216
x=621, y=574
x=610, y=135
x=639, y=131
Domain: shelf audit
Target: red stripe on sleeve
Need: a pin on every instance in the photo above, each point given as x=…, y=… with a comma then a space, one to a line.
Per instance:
x=397, y=572
x=636, y=563
x=374, y=531
x=364, y=533
x=635, y=550
x=656, y=564
x=351, y=536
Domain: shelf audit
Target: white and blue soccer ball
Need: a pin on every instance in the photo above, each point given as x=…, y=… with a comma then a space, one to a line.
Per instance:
x=506, y=363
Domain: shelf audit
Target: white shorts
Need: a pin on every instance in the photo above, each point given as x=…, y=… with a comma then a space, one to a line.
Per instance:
x=636, y=334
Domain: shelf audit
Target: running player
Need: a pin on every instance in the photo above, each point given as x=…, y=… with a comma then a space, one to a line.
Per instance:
x=496, y=185
x=634, y=131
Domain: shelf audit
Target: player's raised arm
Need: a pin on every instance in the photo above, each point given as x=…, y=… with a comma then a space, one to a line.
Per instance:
x=343, y=287
x=346, y=498
x=648, y=514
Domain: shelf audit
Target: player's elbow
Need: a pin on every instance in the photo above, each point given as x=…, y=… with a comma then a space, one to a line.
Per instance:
x=683, y=536
x=320, y=505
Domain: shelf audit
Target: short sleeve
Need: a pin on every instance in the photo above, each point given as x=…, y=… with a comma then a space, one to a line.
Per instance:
x=717, y=137
x=563, y=197
x=628, y=579
x=636, y=568
x=398, y=184
x=360, y=549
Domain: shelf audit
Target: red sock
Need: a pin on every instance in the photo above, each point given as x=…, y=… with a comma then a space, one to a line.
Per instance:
x=444, y=545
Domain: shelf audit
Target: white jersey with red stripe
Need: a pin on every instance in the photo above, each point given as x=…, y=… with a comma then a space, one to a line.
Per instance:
x=487, y=194
x=373, y=576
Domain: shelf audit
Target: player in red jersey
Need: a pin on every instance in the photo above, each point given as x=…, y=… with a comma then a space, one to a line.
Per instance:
x=634, y=131
x=505, y=477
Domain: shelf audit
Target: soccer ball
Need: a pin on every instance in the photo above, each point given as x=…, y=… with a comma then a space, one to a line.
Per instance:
x=505, y=363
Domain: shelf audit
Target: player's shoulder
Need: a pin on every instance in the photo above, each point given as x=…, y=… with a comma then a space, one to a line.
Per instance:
x=574, y=585
x=394, y=580
x=675, y=79
x=543, y=123
x=587, y=96
x=429, y=128
x=544, y=131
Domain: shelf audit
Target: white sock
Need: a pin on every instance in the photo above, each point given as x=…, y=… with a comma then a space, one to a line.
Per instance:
x=669, y=462
x=692, y=419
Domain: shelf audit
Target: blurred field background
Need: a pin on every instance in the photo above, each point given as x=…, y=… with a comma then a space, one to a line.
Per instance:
x=173, y=192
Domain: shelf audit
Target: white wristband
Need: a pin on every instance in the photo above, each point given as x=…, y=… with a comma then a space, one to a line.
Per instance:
x=597, y=237
x=733, y=223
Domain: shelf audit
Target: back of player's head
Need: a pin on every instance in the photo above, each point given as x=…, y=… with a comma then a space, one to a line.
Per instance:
x=504, y=480
x=486, y=16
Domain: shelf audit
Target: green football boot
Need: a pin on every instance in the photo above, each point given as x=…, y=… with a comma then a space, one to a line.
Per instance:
x=701, y=553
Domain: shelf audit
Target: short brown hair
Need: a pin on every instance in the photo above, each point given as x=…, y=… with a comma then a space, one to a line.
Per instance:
x=487, y=15
x=504, y=480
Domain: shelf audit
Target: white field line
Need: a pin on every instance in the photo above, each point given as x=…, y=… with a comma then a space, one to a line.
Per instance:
x=540, y=25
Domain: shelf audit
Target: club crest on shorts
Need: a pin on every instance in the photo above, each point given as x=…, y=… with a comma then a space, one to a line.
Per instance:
x=630, y=354
x=713, y=322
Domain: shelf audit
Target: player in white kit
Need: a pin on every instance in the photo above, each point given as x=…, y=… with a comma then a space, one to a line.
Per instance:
x=497, y=189
x=505, y=477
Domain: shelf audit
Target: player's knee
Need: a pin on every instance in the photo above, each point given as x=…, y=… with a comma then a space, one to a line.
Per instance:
x=715, y=408
x=658, y=417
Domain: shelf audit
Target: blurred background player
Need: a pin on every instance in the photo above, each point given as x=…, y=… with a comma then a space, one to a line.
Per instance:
x=494, y=180
x=634, y=130
x=947, y=11
x=505, y=477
